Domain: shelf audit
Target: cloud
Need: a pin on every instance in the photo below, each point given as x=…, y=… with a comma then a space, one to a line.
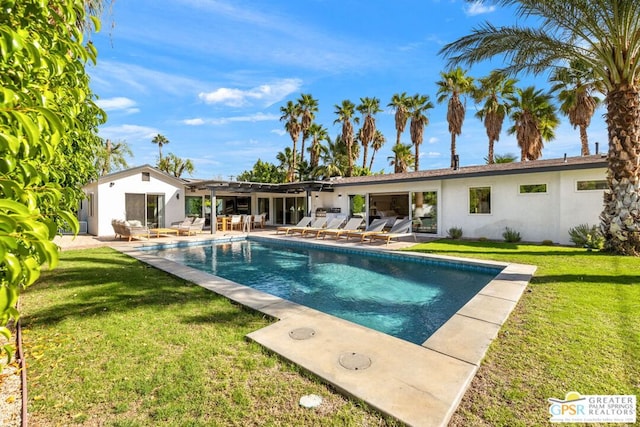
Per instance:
x=257, y=117
x=119, y=103
x=267, y=94
x=128, y=132
x=478, y=8
x=279, y=132
x=194, y=122
x=433, y=140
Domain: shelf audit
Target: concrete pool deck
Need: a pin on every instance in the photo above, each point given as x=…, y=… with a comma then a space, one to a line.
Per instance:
x=420, y=385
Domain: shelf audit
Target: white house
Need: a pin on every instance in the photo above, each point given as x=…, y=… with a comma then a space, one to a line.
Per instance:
x=540, y=199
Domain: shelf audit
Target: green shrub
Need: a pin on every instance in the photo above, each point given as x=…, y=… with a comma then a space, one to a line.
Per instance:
x=454, y=233
x=587, y=236
x=511, y=236
x=547, y=243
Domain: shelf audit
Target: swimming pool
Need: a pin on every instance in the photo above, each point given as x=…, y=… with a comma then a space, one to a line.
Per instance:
x=409, y=298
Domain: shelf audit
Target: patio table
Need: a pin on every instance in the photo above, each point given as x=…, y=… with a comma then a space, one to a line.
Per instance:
x=165, y=231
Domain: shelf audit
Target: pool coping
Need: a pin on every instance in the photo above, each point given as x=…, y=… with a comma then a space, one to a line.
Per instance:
x=420, y=385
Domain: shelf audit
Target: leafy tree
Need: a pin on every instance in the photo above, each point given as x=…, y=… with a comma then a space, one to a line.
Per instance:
x=308, y=108
x=402, y=159
x=454, y=85
x=345, y=112
x=604, y=36
x=111, y=157
x=418, y=105
x=290, y=115
x=48, y=137
x=376, y=145
x=160, y=140
x=334, y=160
x=318, y=134
x=368, y=107
x=263, y=172
x=495, y=91
x=575, y=87
x=175, y=166
x=535, y=121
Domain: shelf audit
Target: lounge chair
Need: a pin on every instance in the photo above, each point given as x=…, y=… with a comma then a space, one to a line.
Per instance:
x=401, y=228
x=334, y=223
x=191, y=227
x=376, y=226
x=130, y=229
x=351, y=225
x=304, y=222
x=317, y=223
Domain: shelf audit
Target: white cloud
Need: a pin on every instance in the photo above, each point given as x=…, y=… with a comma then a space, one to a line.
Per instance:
x=478, y=8
x=257, y=117
x=194, y=122
x=119, y=103
x=128, y=132
x=279, y=132
x=267, y=94
x=433, y=140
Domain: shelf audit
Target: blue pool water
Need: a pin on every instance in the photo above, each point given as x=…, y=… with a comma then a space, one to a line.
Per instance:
x=405, y=298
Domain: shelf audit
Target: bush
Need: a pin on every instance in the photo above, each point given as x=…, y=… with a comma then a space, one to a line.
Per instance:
x=454, y=233
x=586, y=236
x=547, y=243
x=511, y=236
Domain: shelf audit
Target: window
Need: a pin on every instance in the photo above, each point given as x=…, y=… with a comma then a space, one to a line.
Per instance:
x=533, y=188
x=146, y=176
x=91, y=198
x=592, y=185
x=480, y=200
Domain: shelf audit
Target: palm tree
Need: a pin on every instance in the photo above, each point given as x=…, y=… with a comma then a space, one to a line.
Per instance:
x=400, y=103
x=317, y=133
x=376, y=144
x=454, y=84
x=160, y=140
x=334, y=159
x=604, y=35
x=418, y=105
x=504, y=158
x=176, y=166
x=368, y=107
x=290, y=114
x=112, y=157
x=535, y=121
x=402, y=159
x=495, y=90
x=345, y=112
x=575, y=87
x=308, y=109
x=287, y=160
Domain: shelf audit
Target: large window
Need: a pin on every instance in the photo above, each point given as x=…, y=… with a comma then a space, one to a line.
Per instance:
x=480, y=200
x=263, y=207
x=591, y=185
x=533, y=188
x=424, y=207
x=357, y=205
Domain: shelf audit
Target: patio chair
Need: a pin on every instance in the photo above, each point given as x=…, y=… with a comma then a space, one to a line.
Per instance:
x=236, y=222
x=334, y=223
x=304, y=222
x=129, y=229
x=246, y=223
x=317, y=223
x=258, y=221
x=351, y=225
x=401, y=228
x=194, y=227
x=376, y=226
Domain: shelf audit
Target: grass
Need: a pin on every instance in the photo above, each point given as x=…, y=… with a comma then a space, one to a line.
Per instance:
x=112, y=342
x=576, y=329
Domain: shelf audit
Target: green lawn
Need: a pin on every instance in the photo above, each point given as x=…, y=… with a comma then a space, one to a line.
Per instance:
x=113, y=342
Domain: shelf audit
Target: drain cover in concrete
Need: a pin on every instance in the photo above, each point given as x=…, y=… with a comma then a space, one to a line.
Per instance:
x=354, y=361
x=302, y=333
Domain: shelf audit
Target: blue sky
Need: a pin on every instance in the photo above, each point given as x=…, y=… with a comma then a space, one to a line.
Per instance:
x=211, y=76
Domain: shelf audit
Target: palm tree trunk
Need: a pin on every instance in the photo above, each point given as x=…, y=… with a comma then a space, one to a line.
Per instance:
x=373, y=154
x=417, y=160
x=364, y=155
x=621, y=215
x=453, y=149
x=490, y=159
x=584, y=140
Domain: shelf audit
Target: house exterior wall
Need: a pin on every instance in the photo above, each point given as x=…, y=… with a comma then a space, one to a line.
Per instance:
x=109, y=200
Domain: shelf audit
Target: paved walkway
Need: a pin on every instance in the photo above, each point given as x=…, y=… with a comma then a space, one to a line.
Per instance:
x=421, y=385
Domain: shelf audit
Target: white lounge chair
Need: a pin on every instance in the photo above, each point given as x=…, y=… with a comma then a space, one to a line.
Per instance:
x=317, y=223
x=401, y=228
x=304, y=222
x=376, y=226
x=334, y=223
x=351, y=225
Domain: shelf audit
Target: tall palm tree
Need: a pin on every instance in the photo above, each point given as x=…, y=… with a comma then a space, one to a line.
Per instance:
x=175, y=165
x=418, y=105
x=454, y=85
x=160, y=140
x=575, y=87
x=290, y=114
x=402, y=158
x=400, y=103
x=317, y=133
x=345, y=112
x=495, y=90
x=604, y=35
x=535, y=120
x=334, y=159
x=112, y=157
x=368, y=107
x=287, y=160
x=376, y=144
x=308, y=109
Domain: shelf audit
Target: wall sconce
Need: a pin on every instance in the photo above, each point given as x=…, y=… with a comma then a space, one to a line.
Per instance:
x=317, y=196
x=178, y=196
x=111, y=184
x=340, y=195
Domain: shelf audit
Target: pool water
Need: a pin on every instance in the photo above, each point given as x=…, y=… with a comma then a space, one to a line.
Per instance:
x=406, y=298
